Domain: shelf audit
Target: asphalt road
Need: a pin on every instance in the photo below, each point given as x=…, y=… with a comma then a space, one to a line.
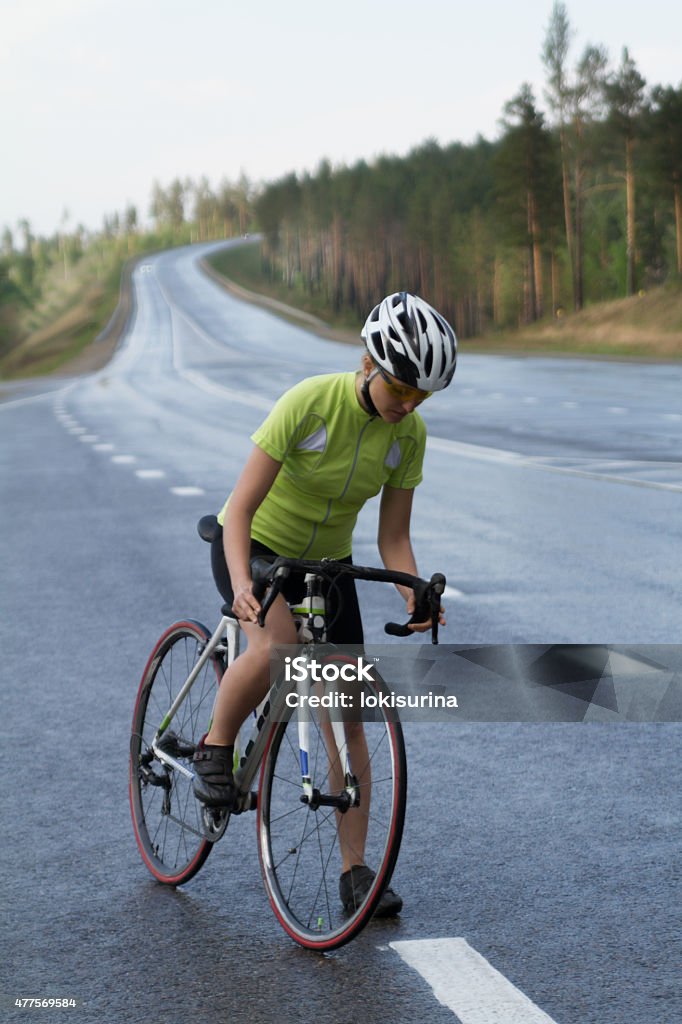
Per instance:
x=551, y=501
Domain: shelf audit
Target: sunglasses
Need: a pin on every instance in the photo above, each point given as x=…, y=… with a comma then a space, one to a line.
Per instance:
x=402, y=391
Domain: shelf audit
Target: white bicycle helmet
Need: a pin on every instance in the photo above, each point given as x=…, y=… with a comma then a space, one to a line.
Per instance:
x=411, y=341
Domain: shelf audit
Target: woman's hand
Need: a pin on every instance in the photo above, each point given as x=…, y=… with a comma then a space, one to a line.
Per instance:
x=421, y=627
x=245, y=606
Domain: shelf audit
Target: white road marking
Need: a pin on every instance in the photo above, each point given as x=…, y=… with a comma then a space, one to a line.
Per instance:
x=78, y=430
x=123, y=460
x=674, y=416
x=211, y=388
x=12, y=402
x=472, y=451
x=617, y=410
x=570, y=405
x=149, y=474
x=453, y=593
x=467, y=984
x=88, y=438
x=187, y=492
x=530, y=400
x=104, y=447
x=485, y=454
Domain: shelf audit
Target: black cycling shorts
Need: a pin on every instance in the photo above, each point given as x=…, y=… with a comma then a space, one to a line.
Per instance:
x=342, y=628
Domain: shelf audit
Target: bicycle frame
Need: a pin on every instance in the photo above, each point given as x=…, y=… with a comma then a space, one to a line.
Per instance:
x=226, y=638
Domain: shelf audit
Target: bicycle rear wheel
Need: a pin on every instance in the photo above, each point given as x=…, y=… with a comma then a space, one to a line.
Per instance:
x=167, y=818
x=303, y=851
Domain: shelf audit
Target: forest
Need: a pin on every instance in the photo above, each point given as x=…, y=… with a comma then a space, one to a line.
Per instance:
x=577, y=201
x=573, y=205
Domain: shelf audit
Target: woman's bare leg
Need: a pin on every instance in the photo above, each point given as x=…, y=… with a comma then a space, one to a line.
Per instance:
x=247, y=679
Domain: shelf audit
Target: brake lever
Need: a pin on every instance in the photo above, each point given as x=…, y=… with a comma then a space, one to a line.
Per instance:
x=275, y=588
x=436, y=588
x=428, y=603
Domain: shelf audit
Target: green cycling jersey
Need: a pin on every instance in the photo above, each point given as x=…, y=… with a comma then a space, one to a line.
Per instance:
x=334, y=458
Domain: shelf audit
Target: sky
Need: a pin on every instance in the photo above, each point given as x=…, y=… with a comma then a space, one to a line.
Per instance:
x=100, y=98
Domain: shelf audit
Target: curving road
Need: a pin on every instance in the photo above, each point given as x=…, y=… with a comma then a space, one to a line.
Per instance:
x=541, y=857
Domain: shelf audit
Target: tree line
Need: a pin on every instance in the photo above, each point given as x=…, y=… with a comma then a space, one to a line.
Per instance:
x=575, y=205
x=183, y=211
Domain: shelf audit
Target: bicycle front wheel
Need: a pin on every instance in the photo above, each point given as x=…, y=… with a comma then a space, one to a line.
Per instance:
x=167, y=818
x=303, y=850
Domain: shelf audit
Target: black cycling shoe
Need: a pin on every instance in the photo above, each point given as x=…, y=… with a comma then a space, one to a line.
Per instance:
x=354, y=886
x=213, y=781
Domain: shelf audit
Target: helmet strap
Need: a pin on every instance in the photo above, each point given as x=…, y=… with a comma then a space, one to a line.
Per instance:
x=367, y=398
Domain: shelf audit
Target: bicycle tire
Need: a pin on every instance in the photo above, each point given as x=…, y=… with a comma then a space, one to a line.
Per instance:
x=167, y=819
x=300, y=848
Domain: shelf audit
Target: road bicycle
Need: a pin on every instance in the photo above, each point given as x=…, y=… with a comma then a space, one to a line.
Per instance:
x=324, y=768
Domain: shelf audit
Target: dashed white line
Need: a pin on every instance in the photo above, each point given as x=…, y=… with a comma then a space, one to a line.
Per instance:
x=187, y=492
x=123, y=460
x=149, y=474
x=78, y=430
x=530, y=400
x=453, y=593
x=570, y=405
x=88, y=438
x=104, y=447
x=617, y=410
x=467, y=984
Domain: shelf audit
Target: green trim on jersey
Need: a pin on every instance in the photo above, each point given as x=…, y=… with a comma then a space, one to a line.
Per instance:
x=334, y=457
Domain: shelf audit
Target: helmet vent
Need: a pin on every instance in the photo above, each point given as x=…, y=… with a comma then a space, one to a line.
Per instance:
x=422, y=321
x=378, y=343
x=402, y=319
x=393, y=333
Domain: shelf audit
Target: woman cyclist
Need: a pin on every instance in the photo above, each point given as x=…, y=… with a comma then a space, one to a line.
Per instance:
x=330, y=443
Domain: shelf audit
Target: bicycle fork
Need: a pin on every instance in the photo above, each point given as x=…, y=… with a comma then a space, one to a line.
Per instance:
x=334, y=733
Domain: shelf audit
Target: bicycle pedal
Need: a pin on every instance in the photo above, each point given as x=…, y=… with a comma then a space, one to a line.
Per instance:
x=214, y=822
x=245, y=802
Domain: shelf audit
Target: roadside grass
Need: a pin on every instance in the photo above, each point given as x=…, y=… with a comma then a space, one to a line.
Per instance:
x=67, y=320
x=646, y=326
x=76, y=305
x=242, y=264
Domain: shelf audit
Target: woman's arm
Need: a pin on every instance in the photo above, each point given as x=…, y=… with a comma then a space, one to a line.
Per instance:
x=394, y=542
x=253, y=484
